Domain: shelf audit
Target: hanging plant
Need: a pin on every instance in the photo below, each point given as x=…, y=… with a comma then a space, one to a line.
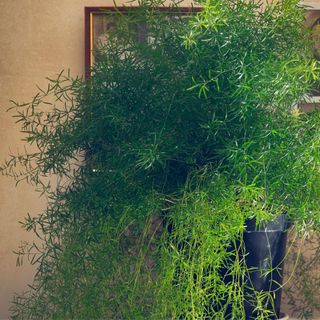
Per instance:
x=163, y=156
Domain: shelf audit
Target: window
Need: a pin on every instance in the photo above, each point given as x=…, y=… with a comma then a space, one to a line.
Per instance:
x=313, y=21
x=98, y=21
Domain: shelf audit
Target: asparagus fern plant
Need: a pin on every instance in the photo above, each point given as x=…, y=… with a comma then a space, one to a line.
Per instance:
x=162, y=155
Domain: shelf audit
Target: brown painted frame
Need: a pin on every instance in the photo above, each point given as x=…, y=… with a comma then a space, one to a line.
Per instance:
x=88, y=14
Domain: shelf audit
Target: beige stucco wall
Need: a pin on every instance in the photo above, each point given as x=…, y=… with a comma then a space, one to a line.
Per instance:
x=38, y=38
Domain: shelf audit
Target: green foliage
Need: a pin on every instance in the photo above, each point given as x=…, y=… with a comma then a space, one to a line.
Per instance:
x=205, y=225
x=162, y=155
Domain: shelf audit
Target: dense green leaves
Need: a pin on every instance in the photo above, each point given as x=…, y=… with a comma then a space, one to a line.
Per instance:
x=178, y=137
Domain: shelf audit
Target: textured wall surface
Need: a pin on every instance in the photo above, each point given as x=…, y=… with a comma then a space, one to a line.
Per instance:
x=38, y=38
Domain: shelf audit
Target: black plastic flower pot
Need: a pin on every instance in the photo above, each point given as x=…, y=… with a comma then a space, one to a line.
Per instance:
x=264, y=254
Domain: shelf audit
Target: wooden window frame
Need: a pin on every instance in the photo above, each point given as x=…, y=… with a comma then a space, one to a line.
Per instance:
x=89, y=13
